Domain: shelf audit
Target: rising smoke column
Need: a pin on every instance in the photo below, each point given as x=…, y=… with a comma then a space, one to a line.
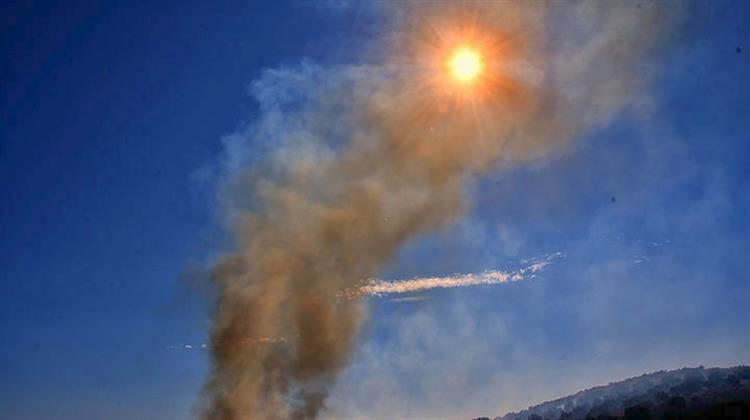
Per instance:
x=361, y=159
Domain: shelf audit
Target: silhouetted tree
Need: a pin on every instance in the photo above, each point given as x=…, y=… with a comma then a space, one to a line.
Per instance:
x=661, y=396
x=638, y=412
x=677, y=402
x=733, y=380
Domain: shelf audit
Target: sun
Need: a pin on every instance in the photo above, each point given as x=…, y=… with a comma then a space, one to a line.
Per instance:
x=465, y=64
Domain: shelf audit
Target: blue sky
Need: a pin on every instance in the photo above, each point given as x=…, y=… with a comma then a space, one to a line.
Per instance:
x=112, y=125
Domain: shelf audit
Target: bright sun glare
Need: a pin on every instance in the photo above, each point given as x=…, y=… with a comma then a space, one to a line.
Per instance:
x=465, y=64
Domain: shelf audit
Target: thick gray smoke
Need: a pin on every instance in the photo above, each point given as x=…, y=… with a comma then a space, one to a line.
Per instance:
x=361, y=159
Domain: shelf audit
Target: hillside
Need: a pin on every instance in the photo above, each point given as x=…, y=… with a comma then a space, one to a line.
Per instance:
x=687, y=392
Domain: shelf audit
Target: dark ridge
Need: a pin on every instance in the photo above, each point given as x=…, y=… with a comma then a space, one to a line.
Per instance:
x=683, y=393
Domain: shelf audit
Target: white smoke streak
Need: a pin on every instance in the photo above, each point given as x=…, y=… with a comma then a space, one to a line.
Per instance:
x=245, y=340
x=378, y=287
x=381, y=287
x=410, y=299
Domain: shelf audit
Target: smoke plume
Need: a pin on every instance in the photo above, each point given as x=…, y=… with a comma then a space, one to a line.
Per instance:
x=360, y=159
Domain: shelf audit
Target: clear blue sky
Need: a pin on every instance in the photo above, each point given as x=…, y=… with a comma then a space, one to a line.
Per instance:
x=110, y=115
